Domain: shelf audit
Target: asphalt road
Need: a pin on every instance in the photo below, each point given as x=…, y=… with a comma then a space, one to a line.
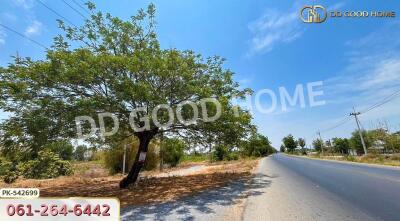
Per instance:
x=291, y=189
x=306, y=189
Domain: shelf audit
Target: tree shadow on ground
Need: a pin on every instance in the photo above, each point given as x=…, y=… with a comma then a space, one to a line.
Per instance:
x=200, y=205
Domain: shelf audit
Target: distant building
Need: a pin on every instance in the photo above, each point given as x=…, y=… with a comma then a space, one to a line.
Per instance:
x=378, y=146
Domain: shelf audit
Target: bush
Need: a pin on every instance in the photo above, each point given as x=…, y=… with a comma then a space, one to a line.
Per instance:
x=220, y=153
x=350, y=158
x=79, y=153
x=232, y=156
x=5, y=166
x=63, y=149
x=173, y=151
x=46, y=165
x=11, y=176
x=8, y=171
x=113, y=158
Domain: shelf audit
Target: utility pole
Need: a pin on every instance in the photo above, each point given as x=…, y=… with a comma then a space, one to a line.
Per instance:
x=355, y=114
x=322, y=142
x=161, y=152
x=124, y=160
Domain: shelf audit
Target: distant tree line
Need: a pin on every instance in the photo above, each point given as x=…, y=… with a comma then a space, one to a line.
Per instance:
x=376, y=141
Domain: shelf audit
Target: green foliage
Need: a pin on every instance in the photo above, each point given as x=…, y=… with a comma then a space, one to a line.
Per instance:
x=258, y=145
x=290, y=143
x=46, y=165
x=355, y=141
x=11, y=176
x=301, y=142
x=79, y=153
x=350, y=158
x=114, y=65
x=113, y=157
x=282, y=148
x=172, y=151
x=64, y=149
x=317, y=145
x=220, y=153
x=341, y=145
x=5, y=166
x=195, y=157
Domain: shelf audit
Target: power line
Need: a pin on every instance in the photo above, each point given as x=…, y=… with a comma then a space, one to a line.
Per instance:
x=24, y=36
x=74, y=9
x=376, y=105
x=58, y=14
x=382, y=102
x=83, y=8
x=340, y=123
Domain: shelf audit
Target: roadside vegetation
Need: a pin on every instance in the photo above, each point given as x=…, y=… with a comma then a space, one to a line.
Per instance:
x=116, y=66
x=383, y=147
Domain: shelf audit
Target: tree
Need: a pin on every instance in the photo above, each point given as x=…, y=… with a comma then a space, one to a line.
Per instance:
x=301, y=142
x=172, y=151
x=282, y=149
x=62, y=148
x=355, y=141
x=341, y=145
x=318, y=145
x=290, y=143
x=258, y=145
x=119, y=67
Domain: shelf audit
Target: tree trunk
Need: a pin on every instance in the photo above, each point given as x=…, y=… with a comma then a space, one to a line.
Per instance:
x=140, y=158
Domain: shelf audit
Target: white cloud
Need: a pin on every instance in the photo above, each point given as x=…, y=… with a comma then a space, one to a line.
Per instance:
x=372, y=74
x=26, y=4
x=34, y=28
x=274, y=27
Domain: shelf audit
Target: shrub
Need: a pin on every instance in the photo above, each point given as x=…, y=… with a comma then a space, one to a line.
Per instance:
x=113, y=158
x=220, y=153
x=11, y=176
x=79, y=153
x=350, y=158
x=172, y=151
x=63, y=149
x=232, y=156
x=5, y=166
x=46, y=165
x=8, y=171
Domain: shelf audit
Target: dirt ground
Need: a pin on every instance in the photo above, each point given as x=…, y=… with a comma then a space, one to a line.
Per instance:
x=91, y=181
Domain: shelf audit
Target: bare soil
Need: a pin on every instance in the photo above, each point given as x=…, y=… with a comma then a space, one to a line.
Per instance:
x=92, y=181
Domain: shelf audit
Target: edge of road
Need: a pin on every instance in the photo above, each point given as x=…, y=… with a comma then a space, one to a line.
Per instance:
x=347, y=162
x=254, y=171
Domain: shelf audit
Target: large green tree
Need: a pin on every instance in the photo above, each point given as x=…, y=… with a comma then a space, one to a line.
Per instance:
x=355, y=141
x=290, y=143
x=341, y=145
x=258, y=145
x=116, y=66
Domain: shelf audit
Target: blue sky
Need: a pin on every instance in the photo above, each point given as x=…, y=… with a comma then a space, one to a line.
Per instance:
x=267, y=46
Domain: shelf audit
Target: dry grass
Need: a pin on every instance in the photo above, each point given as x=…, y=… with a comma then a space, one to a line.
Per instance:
x=149, y=189
x=393, y=160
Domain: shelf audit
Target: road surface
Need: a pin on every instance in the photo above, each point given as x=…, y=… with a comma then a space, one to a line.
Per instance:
x=291, y=188
x=306, y=189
